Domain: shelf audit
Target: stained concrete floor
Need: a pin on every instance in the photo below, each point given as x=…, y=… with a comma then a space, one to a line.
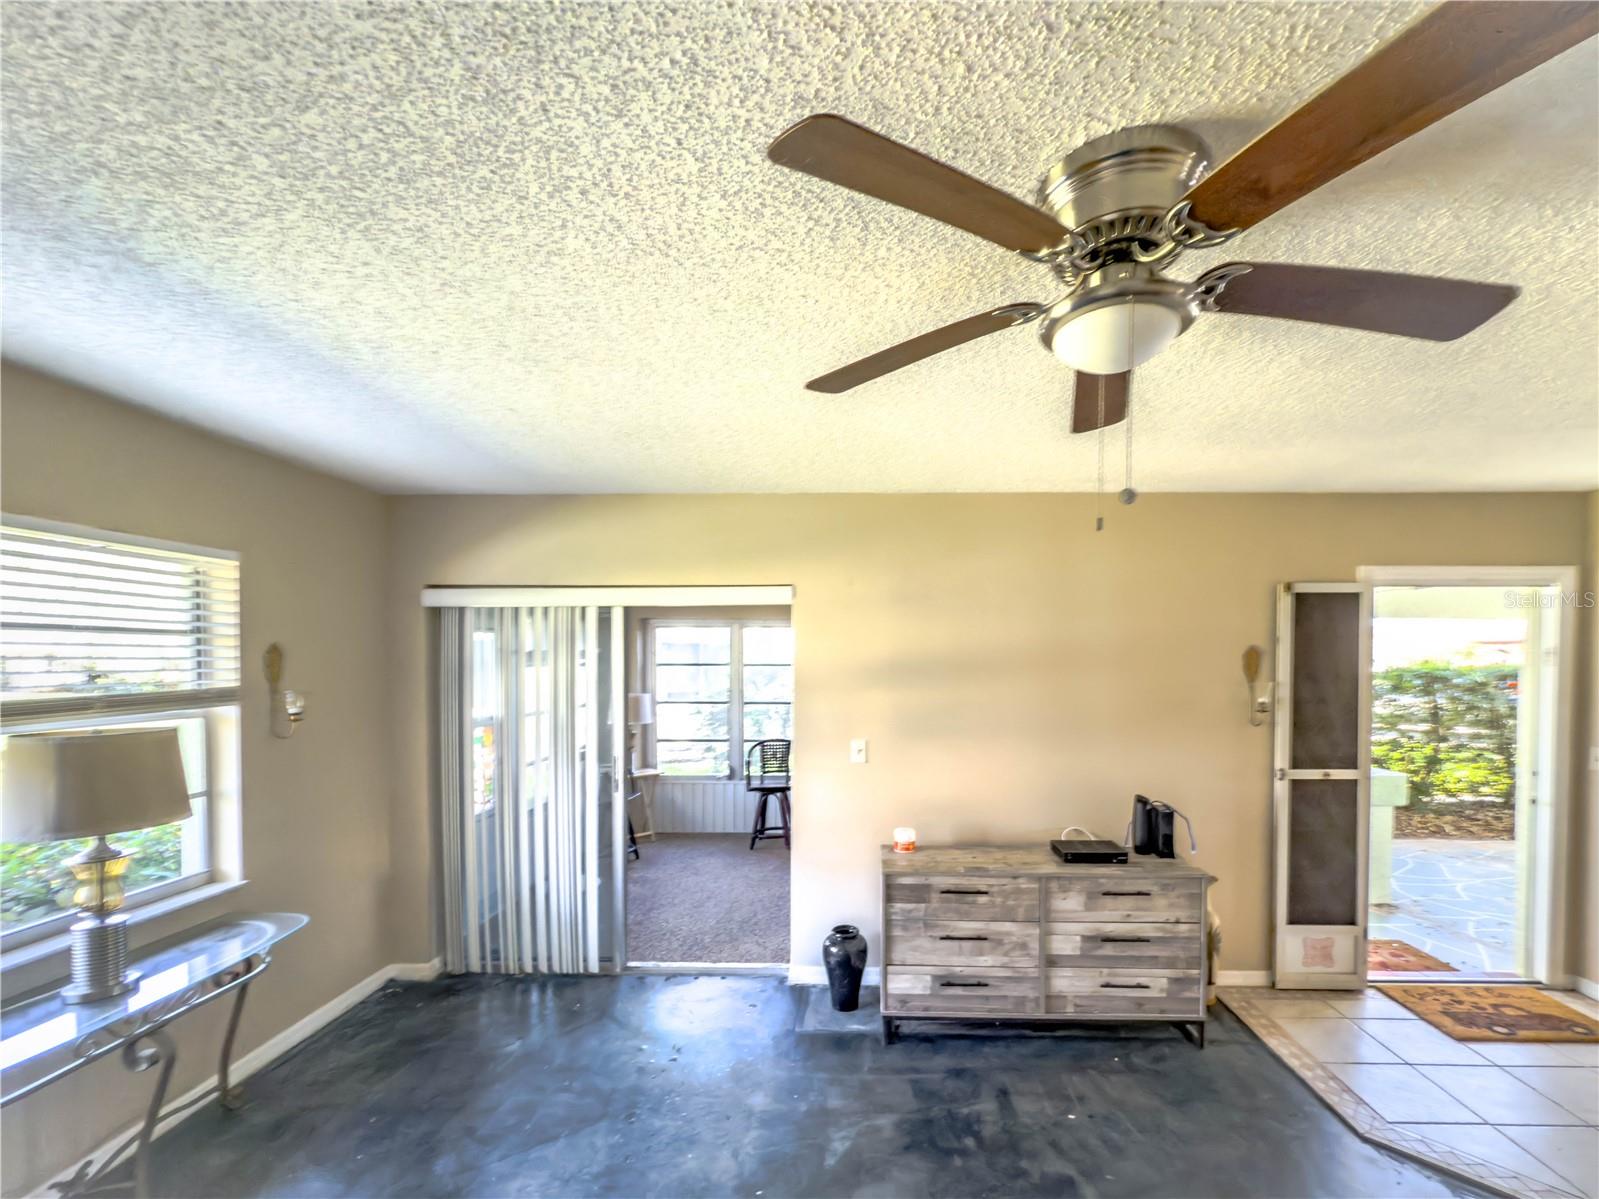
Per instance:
x=688, y=1086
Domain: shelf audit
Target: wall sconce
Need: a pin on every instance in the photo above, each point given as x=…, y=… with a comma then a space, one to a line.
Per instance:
x=1259, y=701
x=287, y=707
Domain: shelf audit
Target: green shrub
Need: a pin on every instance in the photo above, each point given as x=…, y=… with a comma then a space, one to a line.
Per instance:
x=1450, y=729
x=34, y=884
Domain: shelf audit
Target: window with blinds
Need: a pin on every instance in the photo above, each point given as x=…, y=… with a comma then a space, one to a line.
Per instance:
x=124, y=626
x=106, y=631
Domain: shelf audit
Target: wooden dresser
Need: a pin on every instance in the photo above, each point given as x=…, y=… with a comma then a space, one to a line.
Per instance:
x=984, y=932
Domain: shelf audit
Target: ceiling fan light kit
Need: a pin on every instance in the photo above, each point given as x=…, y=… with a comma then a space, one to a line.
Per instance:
x=1123, y=316
x=1116, y=212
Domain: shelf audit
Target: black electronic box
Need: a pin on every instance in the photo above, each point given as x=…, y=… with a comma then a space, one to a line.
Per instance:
x=1081, y=851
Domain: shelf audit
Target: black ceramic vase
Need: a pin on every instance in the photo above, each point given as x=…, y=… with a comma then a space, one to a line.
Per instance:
x=844, y=952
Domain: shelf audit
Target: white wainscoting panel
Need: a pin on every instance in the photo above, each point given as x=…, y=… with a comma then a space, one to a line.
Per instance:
x=697, y=806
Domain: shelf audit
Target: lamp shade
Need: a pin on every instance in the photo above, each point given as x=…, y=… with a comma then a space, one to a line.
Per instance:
x=61, y=785
x=641, y=708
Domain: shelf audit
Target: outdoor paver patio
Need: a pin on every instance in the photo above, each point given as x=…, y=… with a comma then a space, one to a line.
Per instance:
x=1455, y=900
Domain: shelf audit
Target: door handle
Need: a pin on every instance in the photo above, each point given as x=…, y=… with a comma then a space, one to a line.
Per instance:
x=1125, y=940
x=953, y=937
x=958, y=891
x=952, y=984
x=1125, y=986
x=1144, y=893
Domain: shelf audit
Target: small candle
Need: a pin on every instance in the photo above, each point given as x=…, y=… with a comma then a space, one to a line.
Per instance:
x=904, y=840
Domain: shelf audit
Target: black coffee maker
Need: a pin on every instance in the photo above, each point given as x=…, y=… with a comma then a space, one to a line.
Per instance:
x=1153, y=826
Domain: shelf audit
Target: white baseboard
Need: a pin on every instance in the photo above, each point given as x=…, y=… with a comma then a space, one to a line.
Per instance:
x=258, y=1058
x=1585, y=986
x=816, y=976
x=1243, y=978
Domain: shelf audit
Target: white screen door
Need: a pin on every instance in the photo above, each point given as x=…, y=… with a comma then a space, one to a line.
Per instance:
x=1321, y=788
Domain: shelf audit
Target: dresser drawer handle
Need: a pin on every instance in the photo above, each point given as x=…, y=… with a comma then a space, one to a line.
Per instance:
x=953, y=937
x=950, y=984
x=1125, y=940
x=1143, y=893
x=1125, y=986
x=960, y=891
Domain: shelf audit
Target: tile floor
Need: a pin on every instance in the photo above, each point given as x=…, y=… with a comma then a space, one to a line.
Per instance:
x=1522, y=1118
x=1455, y=900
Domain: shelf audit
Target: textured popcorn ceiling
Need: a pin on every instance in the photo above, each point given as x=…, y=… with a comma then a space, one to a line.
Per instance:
x=444, y=247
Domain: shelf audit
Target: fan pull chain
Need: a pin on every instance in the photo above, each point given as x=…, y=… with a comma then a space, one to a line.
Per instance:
x=1128, y=495
x=1099, y=485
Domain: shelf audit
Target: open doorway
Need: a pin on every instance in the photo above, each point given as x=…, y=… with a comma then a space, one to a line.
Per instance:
x=1464, y=776
x=710, y=728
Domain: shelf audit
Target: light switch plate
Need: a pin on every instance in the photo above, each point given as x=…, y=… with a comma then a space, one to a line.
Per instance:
x=857, y=751
x=1593, y=757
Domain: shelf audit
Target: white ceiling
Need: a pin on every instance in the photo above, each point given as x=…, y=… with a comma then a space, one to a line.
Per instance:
x=538, y=248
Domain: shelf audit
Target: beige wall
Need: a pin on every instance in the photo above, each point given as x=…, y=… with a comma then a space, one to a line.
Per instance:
x=315, y=808
x=1013, y=670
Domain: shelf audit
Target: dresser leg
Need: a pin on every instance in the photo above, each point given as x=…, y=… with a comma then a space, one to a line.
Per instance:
x=888, y=1030
x=1194, y=1032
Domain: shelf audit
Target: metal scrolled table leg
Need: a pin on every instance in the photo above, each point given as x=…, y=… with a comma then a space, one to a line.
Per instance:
x=152, y=1049
x=231, y=1097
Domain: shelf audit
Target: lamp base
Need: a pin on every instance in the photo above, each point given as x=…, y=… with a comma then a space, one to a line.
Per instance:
x=99, y=960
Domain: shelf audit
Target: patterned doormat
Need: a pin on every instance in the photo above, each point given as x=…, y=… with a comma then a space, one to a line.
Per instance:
x=1494, y=1013
x=1401, y=957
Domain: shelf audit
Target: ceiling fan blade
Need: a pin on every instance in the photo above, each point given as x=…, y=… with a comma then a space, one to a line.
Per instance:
x=925, y=346
x=1456, y=53
x=1093, y=391
x=852, y=156
x=1405, y=305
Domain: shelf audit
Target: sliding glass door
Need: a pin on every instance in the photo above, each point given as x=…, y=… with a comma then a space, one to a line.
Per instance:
x=533, y=827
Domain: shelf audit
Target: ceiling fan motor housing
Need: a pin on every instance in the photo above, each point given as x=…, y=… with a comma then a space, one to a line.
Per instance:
x=1118, y=188
x=1115, y=192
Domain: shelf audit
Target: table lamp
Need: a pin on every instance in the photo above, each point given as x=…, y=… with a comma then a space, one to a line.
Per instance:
x=59, y=786
x=640, y=711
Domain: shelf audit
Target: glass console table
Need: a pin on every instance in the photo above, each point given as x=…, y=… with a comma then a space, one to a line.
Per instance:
x=44, y=1039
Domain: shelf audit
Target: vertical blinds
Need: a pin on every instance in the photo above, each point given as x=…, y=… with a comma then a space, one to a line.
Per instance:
x=90, y=621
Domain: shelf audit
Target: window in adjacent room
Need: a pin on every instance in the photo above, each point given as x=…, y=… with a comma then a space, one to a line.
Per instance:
x=104, y=630
x=719, y=687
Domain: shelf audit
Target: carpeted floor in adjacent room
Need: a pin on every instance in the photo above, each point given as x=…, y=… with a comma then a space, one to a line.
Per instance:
x=708, y=897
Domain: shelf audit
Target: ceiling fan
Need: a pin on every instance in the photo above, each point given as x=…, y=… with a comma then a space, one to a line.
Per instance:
x=1118, y=210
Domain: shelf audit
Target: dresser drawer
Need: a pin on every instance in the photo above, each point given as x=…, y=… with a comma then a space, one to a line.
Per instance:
x=914, y=942
x=1124, y=993
x=961, y=990
x=927, y=898
x=1106, y=898
x=1123, y=945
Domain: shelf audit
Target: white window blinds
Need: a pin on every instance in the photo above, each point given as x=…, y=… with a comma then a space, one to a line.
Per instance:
x=92, y=623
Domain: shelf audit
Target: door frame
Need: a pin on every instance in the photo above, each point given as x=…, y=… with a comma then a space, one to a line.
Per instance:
x=619, y=599
x=1551, y=876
